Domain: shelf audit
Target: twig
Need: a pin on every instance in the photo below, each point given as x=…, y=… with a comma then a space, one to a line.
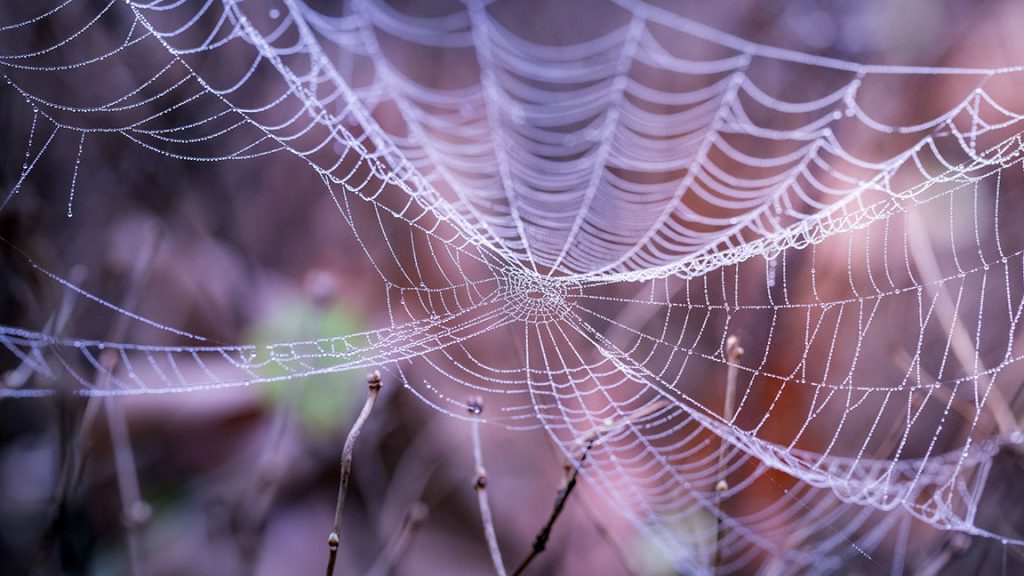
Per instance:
x=733, y=353
x=373, y=385
x=409, y=479
x=476, y=407
x=251, y=511
x=597, y=433
x=251, y=508
x=540, y=542
x=69, y=445
x=572, y=475
x=404, y=483
x=134, y=509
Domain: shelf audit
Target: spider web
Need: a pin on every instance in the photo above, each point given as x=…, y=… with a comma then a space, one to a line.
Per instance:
x=576, y=229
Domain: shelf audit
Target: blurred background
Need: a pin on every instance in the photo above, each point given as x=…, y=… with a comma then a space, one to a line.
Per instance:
x=243, y=480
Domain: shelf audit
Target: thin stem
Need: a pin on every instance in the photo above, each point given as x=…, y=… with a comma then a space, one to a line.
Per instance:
x=134, y=509
x=541, y=540
x=476, y=407
x=251, y=511
x=733, y=354
x=333, y=540
x=572, y=475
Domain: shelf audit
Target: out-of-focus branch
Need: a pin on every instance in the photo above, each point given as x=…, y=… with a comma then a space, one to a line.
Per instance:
x=733, y=354
x=251, y=510
x=412, y=520
x=333, y=540
x=571, y=477
x=945, y=310
x=476, y=407
x=540, y=541
x=251, y=507
x=938, y=389
x=134, y=509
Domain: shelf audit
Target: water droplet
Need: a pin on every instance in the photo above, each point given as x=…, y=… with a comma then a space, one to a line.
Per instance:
x=772, y=267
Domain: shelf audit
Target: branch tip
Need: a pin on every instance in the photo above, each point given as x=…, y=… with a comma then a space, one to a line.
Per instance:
x=733, y=350
x=373, y=383
x=475, y=405
x=373, y=380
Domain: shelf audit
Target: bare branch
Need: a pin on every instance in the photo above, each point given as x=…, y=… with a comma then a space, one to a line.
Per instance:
x=733, y=354
x=134, y=509
x=540, y=541
x=251, y=508
x=333, y=540
x=599, y=432
x=475, y=406
x=572, y=475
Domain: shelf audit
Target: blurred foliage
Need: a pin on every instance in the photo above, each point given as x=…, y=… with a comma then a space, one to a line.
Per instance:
x=654, y=560
x=322, y=402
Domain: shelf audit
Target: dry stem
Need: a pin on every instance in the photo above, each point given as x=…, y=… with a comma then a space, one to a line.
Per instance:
x=572, y=475
x=333, y=540
x=134, y=509
x=733, y=353
x=476, y=407
x=541, y=540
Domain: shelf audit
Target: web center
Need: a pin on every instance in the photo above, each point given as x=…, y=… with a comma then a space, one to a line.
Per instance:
x=535, y=294
x=536, y=298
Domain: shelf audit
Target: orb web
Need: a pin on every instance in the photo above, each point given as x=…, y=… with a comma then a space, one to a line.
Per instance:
x=575, y=229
